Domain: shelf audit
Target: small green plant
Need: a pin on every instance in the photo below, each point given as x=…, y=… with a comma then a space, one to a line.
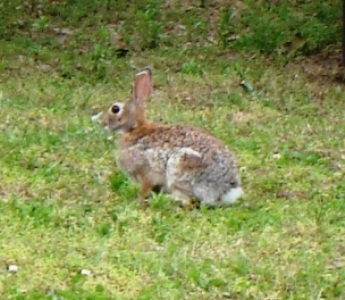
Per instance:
x=191, y=67
x=41, y=23
x=226, y=27
x=117, y=181
x=160, y=229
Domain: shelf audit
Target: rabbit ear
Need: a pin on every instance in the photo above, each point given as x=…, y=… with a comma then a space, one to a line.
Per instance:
x=142, y=86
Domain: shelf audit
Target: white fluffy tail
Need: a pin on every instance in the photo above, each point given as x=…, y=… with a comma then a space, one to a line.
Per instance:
x=231, y=196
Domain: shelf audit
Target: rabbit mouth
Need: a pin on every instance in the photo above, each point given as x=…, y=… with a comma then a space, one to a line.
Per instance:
x=104, y=123
x=96, y=118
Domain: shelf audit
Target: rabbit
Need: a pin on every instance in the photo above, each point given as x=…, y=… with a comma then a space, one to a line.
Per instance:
x=183, y=161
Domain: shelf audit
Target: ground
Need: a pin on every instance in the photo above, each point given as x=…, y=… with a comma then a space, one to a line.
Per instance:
x=271, y=88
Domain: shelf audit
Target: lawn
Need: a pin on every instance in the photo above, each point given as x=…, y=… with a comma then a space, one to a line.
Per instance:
x=262, y=76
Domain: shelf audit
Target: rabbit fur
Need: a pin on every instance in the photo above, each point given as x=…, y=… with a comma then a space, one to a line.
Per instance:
x=183, y=161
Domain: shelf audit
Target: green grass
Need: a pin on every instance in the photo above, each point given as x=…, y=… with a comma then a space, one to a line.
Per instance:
x=64, y=205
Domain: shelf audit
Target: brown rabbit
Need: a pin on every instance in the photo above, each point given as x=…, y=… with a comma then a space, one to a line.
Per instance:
x=184, y=161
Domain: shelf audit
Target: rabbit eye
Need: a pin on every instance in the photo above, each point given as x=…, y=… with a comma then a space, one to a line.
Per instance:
x=115, y=109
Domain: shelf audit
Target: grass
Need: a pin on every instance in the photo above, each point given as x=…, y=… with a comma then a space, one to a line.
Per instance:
x=66, y=208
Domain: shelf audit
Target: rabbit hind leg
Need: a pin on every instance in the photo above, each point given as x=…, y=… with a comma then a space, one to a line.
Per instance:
x=184, y=200
x=181, y=168
x=180, y=190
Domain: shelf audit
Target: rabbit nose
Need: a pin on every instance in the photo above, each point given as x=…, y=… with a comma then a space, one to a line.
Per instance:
x=96, y=118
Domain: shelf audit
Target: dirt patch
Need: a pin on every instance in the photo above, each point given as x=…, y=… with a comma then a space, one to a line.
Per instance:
x=325, y=67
